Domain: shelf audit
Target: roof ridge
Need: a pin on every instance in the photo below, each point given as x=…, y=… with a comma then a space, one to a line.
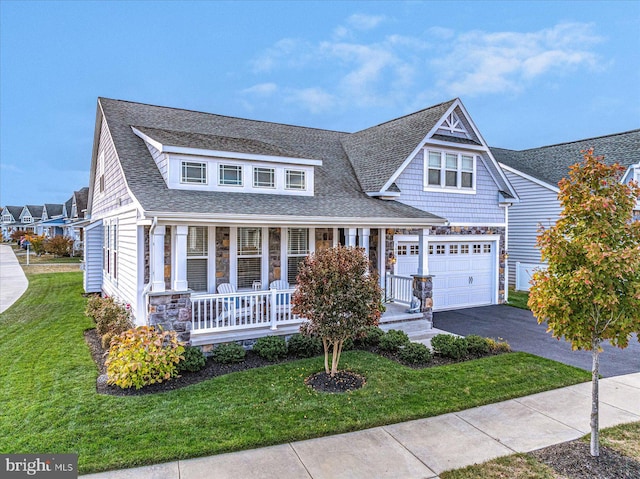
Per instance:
x=224, y=116
x=409, y=114
x=578, y=141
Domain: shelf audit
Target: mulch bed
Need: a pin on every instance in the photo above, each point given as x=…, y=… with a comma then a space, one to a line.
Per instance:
x=213, y=369
x=573, y=460
x=342, y=382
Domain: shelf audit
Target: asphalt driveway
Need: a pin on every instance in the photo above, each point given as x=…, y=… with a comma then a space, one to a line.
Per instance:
x=520, y=329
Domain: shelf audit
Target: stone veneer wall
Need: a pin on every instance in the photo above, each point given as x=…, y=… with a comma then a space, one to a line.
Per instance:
x=457, y=230
x=171, y=311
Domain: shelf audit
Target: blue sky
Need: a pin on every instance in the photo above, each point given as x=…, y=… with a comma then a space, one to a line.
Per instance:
x=529, y=73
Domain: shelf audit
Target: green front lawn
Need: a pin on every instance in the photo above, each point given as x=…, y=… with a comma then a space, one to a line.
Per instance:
x=49, y=404
x=518, y=299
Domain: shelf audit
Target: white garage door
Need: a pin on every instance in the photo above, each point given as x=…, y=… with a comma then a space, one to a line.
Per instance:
x=464, y=272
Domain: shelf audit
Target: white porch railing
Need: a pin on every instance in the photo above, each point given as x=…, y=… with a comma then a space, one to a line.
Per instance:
x=242, y=310
x=398, y=289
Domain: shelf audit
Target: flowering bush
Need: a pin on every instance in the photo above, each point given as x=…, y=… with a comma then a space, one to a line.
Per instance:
x=58, y=246
x=111, y=318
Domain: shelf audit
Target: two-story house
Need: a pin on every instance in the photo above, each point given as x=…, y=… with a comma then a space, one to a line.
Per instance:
x=535, y=174
x=199, y=221
x=10, y=220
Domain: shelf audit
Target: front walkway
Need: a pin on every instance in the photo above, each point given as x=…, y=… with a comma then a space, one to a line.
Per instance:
x=423, y=448
x=13, y=282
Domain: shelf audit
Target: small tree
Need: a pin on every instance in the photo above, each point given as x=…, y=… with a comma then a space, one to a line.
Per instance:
x=591, y=290
x=59, y=246
x=338, y=297
x=36, y=242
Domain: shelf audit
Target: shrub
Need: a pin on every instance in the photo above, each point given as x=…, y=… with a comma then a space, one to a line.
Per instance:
x=415, y=353
x=370, y=338
x=338, y=297
x=193, y=360
x=271, y=348
x=228, y=353
x=110, y=317
x=59, y=246
x=143, y=356
x=477, y=345
x=450, y=346
x=36, y=243
x=17, y=234
x=393, y=340
x=304, y=346
x=497, y=347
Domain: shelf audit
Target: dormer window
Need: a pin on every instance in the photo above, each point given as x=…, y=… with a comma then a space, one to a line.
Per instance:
x=264, y=177
x=6, y=218
x=230, y=175
x=295, y=180
x=27, y=219
x=193, y=173
x=450, y=171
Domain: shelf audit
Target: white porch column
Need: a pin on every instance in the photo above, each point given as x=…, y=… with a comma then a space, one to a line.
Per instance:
x=351, y=237
x=179, y=258
x=364, y=239
x=312, y=240
x=336, y=237
x=423, y=252
x=157, y=259
x=382, y=256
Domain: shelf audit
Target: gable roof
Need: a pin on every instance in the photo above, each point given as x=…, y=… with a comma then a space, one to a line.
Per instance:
x=551, y=163
x=377, y=152
x=35, y=210
x=15, y=211
x=337, y=191
x=53, y=209
x=81, y=197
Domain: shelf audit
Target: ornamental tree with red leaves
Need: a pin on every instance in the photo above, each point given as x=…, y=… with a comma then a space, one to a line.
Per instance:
x=338, y=297
x=590, y=291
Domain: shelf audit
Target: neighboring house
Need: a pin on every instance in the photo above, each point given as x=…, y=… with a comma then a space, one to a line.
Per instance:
x=10, y=220
x=535, y=174
x=30, y=216
x=75, y=208
x=52, y=221
x=184, y=204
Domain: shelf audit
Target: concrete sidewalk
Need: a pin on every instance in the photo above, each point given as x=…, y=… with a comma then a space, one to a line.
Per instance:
x=423, y=448
x=13, y=282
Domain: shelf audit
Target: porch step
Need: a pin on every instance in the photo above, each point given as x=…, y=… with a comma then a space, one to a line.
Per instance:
x=417, y=330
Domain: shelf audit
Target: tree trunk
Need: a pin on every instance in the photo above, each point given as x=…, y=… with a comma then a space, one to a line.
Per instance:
x=595, y=435
x=326, y=355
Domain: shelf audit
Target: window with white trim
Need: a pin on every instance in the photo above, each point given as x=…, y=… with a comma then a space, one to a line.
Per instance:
x=449, y=171
x=297, y=250
x=230, y=175
x=264, y=177
x=114, y=250
x=295, y=180
x=193, y=172
x=110, y=248
x=6, y=218
x=27, y=219
x=197, y=257
x=106, y=257
x=249, y=257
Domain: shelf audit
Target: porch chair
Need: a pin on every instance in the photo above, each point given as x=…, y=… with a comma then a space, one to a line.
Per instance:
x=282, y=306
x=233, y=309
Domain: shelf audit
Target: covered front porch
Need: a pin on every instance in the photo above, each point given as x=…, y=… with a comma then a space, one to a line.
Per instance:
x=219, y=283
x=219, y=318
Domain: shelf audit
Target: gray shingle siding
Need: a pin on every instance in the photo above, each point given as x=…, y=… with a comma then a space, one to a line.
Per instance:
x=457, y=208
x=114, y=182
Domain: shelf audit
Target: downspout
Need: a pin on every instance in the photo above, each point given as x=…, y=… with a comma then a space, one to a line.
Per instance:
x=147, y=288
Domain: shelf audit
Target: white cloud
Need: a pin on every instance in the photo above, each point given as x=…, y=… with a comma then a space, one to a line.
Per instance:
x=262, y=89
x=479, y=62
x=316, y=100
x=346, y=71
x=11, y=168
x=361, y=21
